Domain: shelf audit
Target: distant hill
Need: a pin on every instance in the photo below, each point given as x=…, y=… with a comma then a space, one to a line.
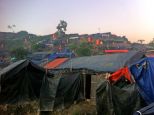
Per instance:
x=15, y=40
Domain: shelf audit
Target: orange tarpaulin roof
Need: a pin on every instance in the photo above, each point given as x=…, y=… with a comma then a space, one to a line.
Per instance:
x=55, y=63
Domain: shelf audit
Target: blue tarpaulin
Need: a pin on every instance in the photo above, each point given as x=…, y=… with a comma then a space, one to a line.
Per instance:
x=66, y=53
x=143, y=72
x=148, y=110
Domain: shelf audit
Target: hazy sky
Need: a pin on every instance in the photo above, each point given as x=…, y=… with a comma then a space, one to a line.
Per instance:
x=133, y=18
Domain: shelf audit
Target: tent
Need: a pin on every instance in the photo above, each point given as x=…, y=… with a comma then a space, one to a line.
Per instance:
x=118, y=96
x=61, y=90
x=63, y=54
x=143, y=72
x=148, y=110
x=103, y=63
x=21, y=81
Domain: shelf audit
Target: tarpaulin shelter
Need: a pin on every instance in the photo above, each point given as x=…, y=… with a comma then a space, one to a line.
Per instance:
x=63, y=54
x=21, y=81
x=118, y=98
x=143, y=73
x=148, y=110
x=103, y=63
x=61, y=90
x=38, y=58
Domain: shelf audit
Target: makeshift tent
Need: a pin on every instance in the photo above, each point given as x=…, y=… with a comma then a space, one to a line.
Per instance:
x=143, y=72
x=66, y=53
x=103, y=63
x=61, y=90
x=38, y=57
x=148, y=110
x=20, y=82
x=119, y=98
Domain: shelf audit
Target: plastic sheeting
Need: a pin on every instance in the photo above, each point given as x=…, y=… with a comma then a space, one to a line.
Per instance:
x=118, y=99
x=20, y=82
x=121, y=72
x=103, y=63
x=148, y=110
x=143, y=72
x=61, y=91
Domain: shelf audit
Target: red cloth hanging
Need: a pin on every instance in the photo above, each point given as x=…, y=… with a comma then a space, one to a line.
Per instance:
x=118, y=74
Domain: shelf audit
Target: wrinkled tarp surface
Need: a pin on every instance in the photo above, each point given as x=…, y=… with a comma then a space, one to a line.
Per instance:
x=143, y=72
x=20, y=82
x=103, y=63
x=148, y=110
x=60, y=91
x=118, y=99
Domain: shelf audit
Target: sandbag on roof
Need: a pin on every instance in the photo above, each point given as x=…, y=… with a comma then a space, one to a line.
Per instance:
x=20, y=81
x=103, y=63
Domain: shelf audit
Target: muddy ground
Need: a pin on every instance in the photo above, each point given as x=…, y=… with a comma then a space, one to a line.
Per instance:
x=81, y=108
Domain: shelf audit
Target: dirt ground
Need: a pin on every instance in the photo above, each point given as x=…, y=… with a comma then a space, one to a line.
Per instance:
x=81, y=108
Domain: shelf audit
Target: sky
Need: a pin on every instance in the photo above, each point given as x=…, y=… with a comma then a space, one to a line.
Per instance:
x=131, y=18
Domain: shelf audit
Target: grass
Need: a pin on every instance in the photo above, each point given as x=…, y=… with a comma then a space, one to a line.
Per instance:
x=32, y=108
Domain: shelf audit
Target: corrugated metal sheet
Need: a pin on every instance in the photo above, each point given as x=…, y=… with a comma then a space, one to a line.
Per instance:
x=103, y=63
x=55, y=63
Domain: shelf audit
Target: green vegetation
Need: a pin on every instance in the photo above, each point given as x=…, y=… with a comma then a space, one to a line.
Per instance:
x=19, y=53
x=83, y=49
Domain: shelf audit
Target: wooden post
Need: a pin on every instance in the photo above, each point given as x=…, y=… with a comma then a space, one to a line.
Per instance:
x=84, y=81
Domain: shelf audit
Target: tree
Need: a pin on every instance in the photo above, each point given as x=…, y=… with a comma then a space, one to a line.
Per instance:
x=19, y=53
x=11, y=27
x=84, y=49
x=62, y=26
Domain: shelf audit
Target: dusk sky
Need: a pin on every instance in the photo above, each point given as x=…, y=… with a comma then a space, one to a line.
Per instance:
x=132, y=18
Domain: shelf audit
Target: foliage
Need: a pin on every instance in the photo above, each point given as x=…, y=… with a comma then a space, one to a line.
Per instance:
x=19, y=53
x=83, y=49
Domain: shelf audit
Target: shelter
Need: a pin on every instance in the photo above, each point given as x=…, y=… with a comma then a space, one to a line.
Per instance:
x=94, y=68
x=143, y=72
x=61, y=90
x=118, y=96
x=39, y=58
x=63, y=54
x=19, y=82
x=103, y=63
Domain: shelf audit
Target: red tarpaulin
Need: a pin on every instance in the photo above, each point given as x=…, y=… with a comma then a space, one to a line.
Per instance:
x=120, y=73
x=98, y=42
x=116, y=51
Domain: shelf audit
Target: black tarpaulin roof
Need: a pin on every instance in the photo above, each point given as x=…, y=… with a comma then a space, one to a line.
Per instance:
x=20, y=81
x=103, y=63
